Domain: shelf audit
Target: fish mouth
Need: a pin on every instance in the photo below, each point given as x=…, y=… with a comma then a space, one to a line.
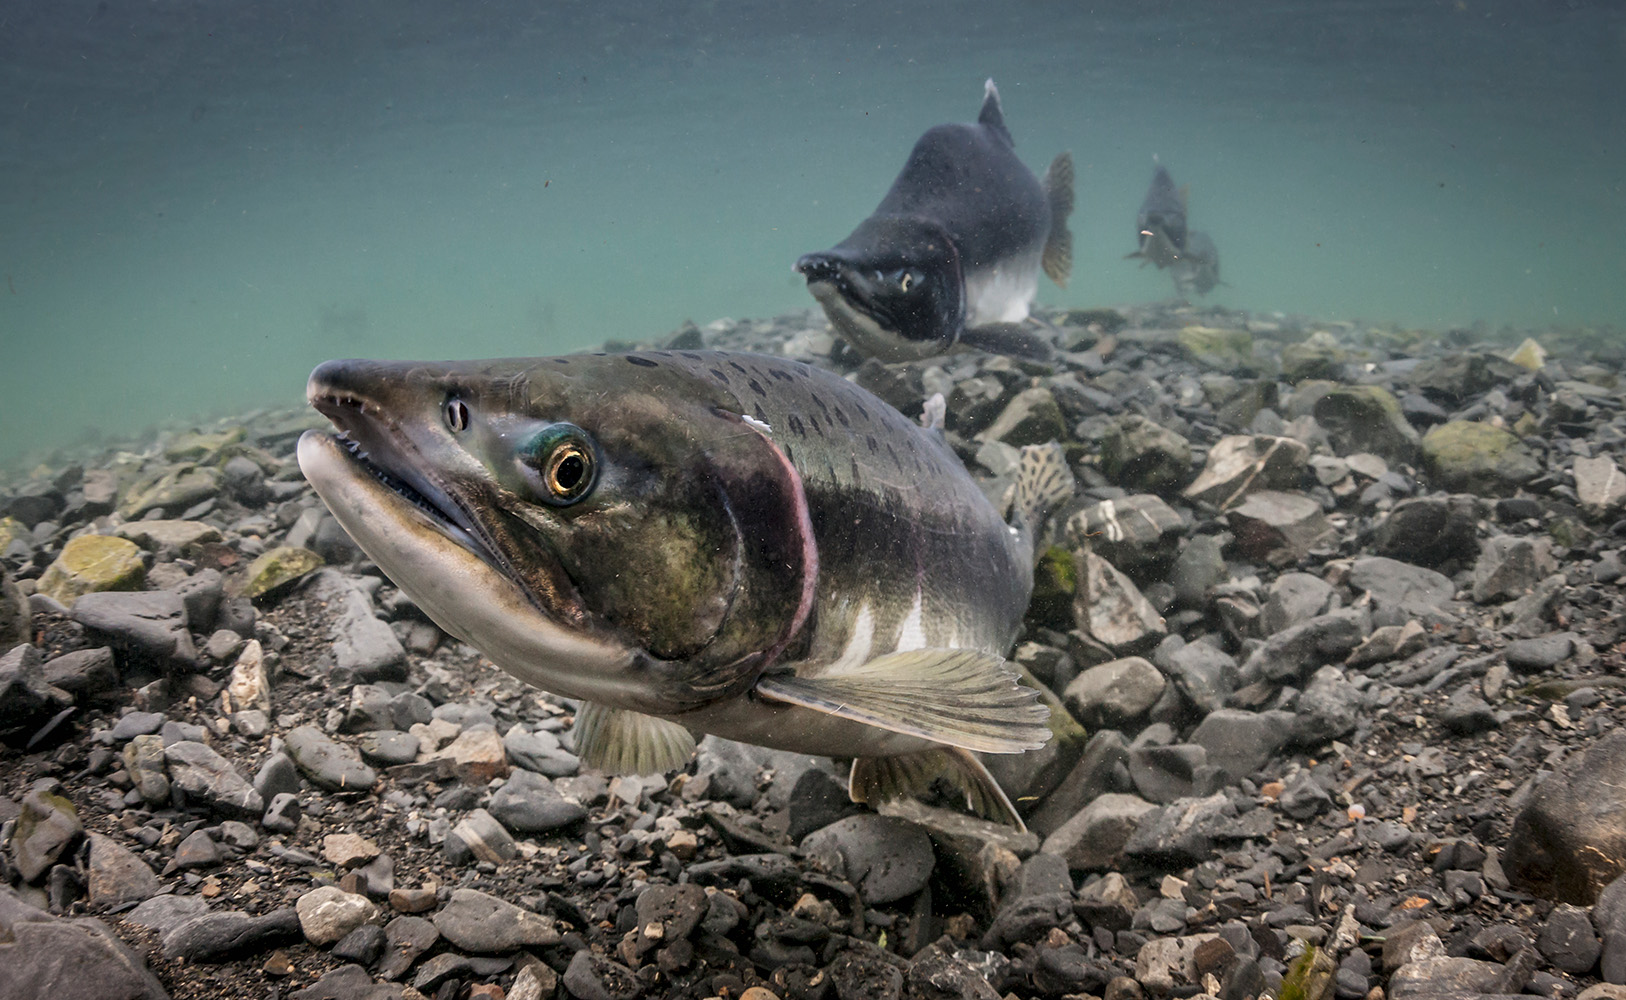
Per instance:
x=375, y=447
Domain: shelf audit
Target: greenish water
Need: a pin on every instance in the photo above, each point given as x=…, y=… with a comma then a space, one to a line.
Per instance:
x=202, y=201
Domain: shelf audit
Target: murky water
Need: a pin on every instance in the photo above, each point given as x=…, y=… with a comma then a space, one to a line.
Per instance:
x=201, y=201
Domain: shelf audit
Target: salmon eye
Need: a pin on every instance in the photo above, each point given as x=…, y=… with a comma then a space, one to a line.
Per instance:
x=905, y=282
x=560, y=463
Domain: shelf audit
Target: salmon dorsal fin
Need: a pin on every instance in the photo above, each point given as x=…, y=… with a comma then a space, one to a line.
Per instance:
x=992, y=114
x=618, y=741
x=961, y=697
x=877, y=780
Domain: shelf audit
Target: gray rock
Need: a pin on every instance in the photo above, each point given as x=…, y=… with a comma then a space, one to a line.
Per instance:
x=1328, y=708
x=1166, y=964
x=1137, y=453
x=363, y=646
x=388, y=747
x=15, y=618
x=198, y=850
x=148, y=625
x=347, y=982
x=1600, y=485
x=1244, y=463
x=1138, y=534
x=47, y=826
x=1199, y=565
x=210, y=779
x=329, y=764
x=885, y=857
x=1111, y=609
x=1569, y=840
x=135, y=724
x=115, y=876
x=68, y=959
x=1041, y=900
x=164, y=913
x=816, y=800
x=217, y=937
x=278, y=775
x=1111, y=694
x=1163, y=774
x=144, y=763
x=405, y=939
x=363, y=945
x=937, y=972
x=1304, y=799
x=1529, y=656
x=540, y=752
x=83, y=673
x=1094, y=839
x=1444, y=977
x=1569, y=941
x=1294, y=651
x=1466, y=714
x=727, y=771
x=1400, y=591
x=369, y=710
x=1276, y=527
x=528, y=803
x=1103, y=768
x=327, y=913
x=1242, y=742
x=1031, y=417
x=1430, y=531
x=594, y=977
x=474, y=921
x=1366, y=418
x=201, y=595
x=26, y=701
x=1511, y=566
x=282, y=815
x=244, y=481
x=1609, y=917
x=480, y=837
x=1293, y=598
x=1181, y=834
x=1205, y=675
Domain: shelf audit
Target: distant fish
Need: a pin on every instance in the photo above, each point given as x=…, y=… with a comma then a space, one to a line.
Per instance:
x=1197, y=270
x=701, y=542
x=1160, y=227
x=951, y=257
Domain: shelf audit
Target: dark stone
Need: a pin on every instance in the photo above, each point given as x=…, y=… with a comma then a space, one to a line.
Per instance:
x=1569, y=840
x=1242, y=742
x=148, y=626
x=1304, y=799
x=1529, y=656
x=1042, y=899
x=329, y=764
x=363, y=945
x=885, y=857
x=27, y=702
x=1466, y=714
x=528, y=803
x=405, y=938
x=594, y=977
x=217, y=937
x=67, y=959
x=1430, y=531
x=817, y=800
x=1569, y=941
x=210, y=779
x=866, y=975
x=83, y=673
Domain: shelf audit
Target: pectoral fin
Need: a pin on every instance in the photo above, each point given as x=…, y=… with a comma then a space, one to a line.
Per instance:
x=961, y=697
x=877, y=779
x=1012, y=339
x=617, y=741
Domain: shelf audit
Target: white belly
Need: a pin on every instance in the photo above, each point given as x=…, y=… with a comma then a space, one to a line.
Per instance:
x=1002, y=294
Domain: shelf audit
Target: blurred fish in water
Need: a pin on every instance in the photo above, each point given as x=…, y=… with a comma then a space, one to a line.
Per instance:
x=951, y=256
x=1197, y=270
x=701, y=542
x=1160, y=227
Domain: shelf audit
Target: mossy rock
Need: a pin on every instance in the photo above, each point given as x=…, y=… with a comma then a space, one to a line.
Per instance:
x=11, y=529
x=203, y=447
x=1138, y=453
x=1226, y=350
x=1318, y=356
x=1367, y=418
x=1054, y=583
x=92, y=563
x=175, y=488
x=1310, y=977
x=1471, y=457
x=278, y=568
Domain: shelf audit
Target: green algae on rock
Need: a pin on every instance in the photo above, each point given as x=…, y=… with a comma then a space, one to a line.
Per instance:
x=278, y=568
x=1473, y=457
x=93, y=563
x=1367, y=418
x=1223, y=349
x=1140, y=454
x=175, y=488
x=201, y=446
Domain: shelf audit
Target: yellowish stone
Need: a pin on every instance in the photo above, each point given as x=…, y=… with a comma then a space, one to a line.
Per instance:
x=277, y=568
x=92, y=563
x=199, y=446
x=165, y=534
x=1529, y=355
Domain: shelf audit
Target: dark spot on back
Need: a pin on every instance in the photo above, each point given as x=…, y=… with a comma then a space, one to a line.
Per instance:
x=643, y=362
x=756, y=387
x=796, y=427
x=869, y=439
x=561, y=361
x=842, y=417
x=692, y=356
x=720, y=376
x=757, y=412
x=736, y=366
x=819, y=403
x=780, y=375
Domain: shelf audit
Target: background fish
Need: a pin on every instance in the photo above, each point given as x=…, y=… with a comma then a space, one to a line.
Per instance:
x=691, y=541
x=1197, y=270
x=952, y=254
x=1160, y=226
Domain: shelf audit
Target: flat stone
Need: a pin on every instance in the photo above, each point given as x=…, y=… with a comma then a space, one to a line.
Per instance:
x=348, y=850
x=1277, y=527
x=68, y=959
x=528, y=803
x=83, y=673
x=480, y=837
x=885, y=857
x=1031, y=417
x=405, y=939
x=275, y=569
x=484, y=924
x=328, y=913
x=1111, y=609
x=209, y=778
x=1400, y=591
x=1110, y=694
x=149, y=624
x=1293, y=598
x=388, y=747
x=1600, y=485
x=218, y=937
x=92, y=563
x=165, y=913
x=116, y=876
x=47, y=826
x=1164, y=964
x=540, y=752
x=1569, y=840
x=1138, y=534
x=1138, y=453
x=1093, y=840
x=184, y=537
x=1241, y=742
x=1240, y=464
x=327, y=763
x=1543, y=652
x=476, y=756
x=27, y=702
x=1510, y=567
x=363, y=647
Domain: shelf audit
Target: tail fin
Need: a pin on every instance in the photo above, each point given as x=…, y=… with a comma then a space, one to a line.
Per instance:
x=1043, y=481
x=1058, y=247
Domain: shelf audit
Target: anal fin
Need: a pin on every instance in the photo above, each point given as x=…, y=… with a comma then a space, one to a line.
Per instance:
x=961, y=697
x=874, y=780
x=618, y=741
